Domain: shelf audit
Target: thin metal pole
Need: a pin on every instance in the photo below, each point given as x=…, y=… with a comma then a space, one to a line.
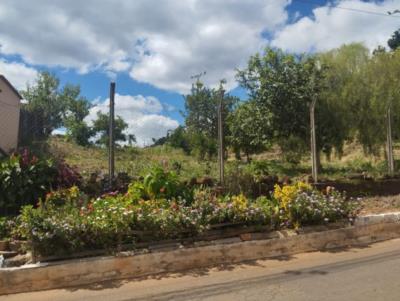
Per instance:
x=313, y=143
x=111, y=137
x=390, y=141
x=221, y=139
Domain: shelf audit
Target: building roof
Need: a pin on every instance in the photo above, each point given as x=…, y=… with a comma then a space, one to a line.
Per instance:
x=2, y=77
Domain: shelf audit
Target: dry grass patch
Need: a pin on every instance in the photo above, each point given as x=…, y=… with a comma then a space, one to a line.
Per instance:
x=380, y=204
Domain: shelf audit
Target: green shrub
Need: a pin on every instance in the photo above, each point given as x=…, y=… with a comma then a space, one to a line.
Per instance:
x=253, y=179
x=160, y=184
x=5, y=229
x=65, y=228
x=310, y=208
x=301, y=205
x=25, y=178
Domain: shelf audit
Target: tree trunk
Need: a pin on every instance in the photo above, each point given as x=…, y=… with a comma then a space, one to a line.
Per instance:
x=248, y=157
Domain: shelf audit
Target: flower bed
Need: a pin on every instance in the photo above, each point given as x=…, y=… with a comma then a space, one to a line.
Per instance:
x=67, y=221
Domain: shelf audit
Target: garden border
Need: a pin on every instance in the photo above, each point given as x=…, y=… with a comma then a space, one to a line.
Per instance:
x=366, y=230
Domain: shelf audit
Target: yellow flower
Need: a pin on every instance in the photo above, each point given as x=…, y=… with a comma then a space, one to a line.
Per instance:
x=240, y=202
x=287, y=193
x=74, y=192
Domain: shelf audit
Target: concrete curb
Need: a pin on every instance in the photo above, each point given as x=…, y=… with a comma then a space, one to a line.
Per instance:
x=43, y=276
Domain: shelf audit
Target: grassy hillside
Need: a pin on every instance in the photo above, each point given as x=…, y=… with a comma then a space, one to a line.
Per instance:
x=135, y=161
x=132, y=160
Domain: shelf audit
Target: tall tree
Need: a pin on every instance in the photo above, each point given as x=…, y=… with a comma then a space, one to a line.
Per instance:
x=77, y=109
x=45, y=104
x=49, y=107
x=249, y=128
x=283, y=85
x=102, y=129
x=342, y=95
x=201, y=117
x=383, y=77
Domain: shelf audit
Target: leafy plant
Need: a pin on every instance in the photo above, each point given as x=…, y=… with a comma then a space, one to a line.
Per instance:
x=67, y=176
x=5, y=227
x=160, y=184
x=25, y=178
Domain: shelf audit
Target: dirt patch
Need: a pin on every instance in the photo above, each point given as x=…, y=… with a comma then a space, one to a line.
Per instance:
x=365, y=188
x=380, y=204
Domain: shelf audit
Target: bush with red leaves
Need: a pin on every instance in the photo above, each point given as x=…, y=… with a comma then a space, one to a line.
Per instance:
x=67, y=176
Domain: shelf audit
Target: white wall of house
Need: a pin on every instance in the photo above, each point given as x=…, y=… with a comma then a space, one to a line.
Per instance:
x=9, y=116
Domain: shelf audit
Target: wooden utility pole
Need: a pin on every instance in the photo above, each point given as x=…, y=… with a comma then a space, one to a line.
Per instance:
x=314, y=166
x=221, y=138
x=389, y=140
x=111, y=137
x=314, y=162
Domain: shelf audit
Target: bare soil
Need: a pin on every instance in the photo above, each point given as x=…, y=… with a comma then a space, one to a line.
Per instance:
x=380, y=204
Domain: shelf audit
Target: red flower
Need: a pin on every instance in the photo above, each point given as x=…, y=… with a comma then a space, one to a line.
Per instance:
x=174, y=206
x=25, y=157
x=90, y=207
x=34, y=160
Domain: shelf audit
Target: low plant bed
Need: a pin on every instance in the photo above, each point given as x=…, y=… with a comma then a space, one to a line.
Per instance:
x=68, y=222
x=174, y=257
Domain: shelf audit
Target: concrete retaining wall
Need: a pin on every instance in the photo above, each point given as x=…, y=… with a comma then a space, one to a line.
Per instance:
x=96, y=269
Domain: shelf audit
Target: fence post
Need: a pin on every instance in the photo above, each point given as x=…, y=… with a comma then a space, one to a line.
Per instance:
x=111, y=145
x=221, y=139
x=314, y=167
x=389, y=141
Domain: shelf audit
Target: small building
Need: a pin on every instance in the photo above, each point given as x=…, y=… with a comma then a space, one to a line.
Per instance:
x=10, y=103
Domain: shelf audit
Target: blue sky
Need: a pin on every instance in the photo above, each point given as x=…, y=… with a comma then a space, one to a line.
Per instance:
x=151, y=48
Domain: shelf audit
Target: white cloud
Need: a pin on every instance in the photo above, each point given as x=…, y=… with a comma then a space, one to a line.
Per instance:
x=160, y=42
x=330, y=28
x=163, y=43
x=18, y=74
x=143, y=115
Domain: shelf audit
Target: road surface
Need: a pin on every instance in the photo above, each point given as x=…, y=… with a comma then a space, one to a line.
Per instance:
x=369, y=273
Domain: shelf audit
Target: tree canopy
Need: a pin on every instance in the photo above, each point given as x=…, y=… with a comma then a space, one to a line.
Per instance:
x=102, y=128
x=201, y=117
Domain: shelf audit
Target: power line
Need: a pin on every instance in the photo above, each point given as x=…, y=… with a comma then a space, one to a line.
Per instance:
x=350, y=9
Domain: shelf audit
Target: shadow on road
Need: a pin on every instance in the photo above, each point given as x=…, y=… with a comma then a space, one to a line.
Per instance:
x=199, y=272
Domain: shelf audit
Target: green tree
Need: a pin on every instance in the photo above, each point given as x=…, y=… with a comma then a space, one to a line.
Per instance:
x=201, y=117
x=283, y=85
x=131, y=139
x=49, y=107
x=340, y=100
x=381, y=78
x=394, y=41
x=249, y=128
x=178, y=138
x=102, y=129
x=45, y=105
x=76, y=111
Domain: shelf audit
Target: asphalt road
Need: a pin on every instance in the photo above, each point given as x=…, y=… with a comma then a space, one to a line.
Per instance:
x=369, y=273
